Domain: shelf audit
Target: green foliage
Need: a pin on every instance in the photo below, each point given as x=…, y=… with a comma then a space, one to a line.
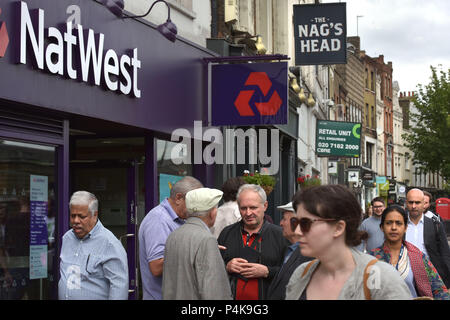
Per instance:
x=308, y=181
x=429, y=136
x=259, y=179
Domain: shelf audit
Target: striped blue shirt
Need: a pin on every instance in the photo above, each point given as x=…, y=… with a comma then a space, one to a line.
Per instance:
x=93, y=268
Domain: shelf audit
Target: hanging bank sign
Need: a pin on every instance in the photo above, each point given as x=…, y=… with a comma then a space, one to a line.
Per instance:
x=77, y=54
x=320, y=34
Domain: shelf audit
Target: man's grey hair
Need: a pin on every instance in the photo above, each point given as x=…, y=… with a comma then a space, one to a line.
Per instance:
x=185, y=185
x=252, y=187
x=201, y=214
x=83, y=198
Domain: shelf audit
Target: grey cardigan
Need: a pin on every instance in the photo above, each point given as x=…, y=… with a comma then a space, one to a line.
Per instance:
x=384, y=281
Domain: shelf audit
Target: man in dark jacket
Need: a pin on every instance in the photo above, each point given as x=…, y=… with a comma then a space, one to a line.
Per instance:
x=254, y=248
x=428, y=234
x=292, y=258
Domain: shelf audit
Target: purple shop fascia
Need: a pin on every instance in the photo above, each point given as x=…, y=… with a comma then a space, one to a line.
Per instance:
x=114, y=77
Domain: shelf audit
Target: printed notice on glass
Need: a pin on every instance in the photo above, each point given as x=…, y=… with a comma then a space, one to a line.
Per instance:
x=38, y=226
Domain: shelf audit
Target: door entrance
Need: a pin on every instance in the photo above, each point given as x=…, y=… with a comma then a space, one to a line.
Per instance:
x=115, y=184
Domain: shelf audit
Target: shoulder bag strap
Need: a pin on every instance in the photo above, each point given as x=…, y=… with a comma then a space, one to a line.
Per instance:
x=366, y=277
x=308, y=266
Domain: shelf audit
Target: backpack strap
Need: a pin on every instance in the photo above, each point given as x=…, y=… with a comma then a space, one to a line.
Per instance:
x=308, y=266
x=366, y=277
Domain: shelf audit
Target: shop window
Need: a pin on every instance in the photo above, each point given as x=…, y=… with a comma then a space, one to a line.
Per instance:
x=27, y=221
x=169, y=154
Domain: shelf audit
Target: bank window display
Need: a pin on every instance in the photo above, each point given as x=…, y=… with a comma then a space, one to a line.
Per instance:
x=174, y=162
x=27, y=220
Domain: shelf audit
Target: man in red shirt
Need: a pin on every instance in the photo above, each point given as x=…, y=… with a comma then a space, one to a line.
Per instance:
x=254, y=248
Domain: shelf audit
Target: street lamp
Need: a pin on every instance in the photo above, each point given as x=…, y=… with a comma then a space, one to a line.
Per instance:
x=167, y=29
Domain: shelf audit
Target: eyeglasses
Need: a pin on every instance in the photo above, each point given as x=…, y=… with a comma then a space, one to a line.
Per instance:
x=305, y=223
x=378, y=207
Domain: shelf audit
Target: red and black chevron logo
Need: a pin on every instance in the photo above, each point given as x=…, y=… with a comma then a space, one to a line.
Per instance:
x=4, y=38
x=269, y=108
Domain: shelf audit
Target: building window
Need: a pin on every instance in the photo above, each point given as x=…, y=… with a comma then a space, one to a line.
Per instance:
x=372, y=116
x=367, y=114
x=29, y=219
x=369, y=154
x=367, y=79
x=372, y=81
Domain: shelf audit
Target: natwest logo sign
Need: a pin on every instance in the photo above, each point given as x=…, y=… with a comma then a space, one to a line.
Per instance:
x=249, y=94
x=77, y=54
x=269, y=108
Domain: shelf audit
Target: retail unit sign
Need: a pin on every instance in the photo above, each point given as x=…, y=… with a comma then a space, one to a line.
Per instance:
x=76, y=53
x=338, y=139
x=320, y=34
x=248, y=94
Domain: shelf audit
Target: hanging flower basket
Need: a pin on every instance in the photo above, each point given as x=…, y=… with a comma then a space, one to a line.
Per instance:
x=265, y=181
x=308, y=181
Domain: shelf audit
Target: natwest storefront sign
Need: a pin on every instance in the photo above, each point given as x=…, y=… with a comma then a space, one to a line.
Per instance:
x=249, y=94
x=77, y=54
x=75, y=57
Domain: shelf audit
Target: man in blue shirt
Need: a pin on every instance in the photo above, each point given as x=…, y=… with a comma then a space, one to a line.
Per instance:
x=154, y=230
x=93, y=261
x=372, y=226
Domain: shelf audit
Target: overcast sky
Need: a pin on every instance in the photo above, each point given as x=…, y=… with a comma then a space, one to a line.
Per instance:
x=413, y=34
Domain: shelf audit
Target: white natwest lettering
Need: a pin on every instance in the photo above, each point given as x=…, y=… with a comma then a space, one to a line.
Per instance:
x=91, y=54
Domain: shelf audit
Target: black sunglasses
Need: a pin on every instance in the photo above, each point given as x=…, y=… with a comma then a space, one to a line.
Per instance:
x=305, y=223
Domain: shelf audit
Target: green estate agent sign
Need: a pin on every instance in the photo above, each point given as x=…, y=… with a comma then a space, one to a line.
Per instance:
x=338, y=139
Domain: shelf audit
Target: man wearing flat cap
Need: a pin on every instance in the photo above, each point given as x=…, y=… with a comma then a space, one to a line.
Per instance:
x=193, y=266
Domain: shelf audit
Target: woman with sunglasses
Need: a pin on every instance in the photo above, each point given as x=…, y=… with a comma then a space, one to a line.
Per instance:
x=327, y=221
x=413, y=265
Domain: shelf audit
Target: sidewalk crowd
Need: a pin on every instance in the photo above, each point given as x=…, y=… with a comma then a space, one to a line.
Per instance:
x=191, y=248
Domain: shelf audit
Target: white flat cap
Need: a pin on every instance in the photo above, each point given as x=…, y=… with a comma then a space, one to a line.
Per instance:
x=202, y=199
x=287, y=207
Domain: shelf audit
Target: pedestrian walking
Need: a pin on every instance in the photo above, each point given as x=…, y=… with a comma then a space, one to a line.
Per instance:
x=93, y=261
x=154, y=230
x=413, y=265
x=328, y=217
x=372, y=226
x=427, y=234
x=228, y=213
x=427, y=200
x=254, y=247
x=292, y=258
x=193, y=266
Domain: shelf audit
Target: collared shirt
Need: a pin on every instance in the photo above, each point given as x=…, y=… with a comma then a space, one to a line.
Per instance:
x=290, y=251
x=93, y=268
x=414, y=234
x=154, y=230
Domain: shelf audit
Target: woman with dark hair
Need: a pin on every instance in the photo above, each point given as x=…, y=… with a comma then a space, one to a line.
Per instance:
x=413, y=265
x=228, y=213
x=327, y=221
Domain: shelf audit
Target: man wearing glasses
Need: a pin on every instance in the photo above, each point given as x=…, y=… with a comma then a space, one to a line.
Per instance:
x=372, y=226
